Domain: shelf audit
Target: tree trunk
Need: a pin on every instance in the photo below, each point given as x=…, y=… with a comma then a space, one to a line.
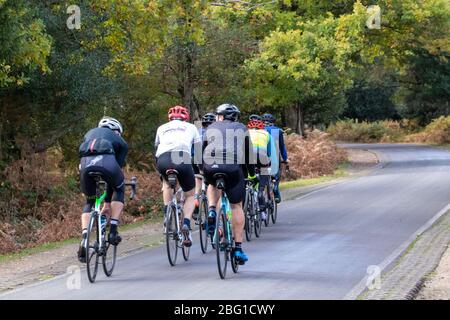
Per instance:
x=300, y=128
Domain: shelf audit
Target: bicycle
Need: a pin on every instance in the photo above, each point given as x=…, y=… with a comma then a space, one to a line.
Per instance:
x=97, y=243
x=173, y=221
x=223, y=238
x=253, y=221
x=202, y=219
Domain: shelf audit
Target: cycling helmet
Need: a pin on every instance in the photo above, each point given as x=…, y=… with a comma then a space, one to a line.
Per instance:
x=255, y=124
x=111, y=123
x=178, y=113
x=208, y=118
x=267, y=117
x=229, y=111
x=254, y=117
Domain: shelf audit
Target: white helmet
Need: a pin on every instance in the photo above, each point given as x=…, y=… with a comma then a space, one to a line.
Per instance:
x=113, y=124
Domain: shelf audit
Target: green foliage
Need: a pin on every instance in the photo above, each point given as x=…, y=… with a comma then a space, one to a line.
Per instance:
x=24, y=44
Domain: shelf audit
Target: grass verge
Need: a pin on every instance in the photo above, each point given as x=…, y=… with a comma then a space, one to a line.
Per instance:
x=338, y=173
x=58, y=244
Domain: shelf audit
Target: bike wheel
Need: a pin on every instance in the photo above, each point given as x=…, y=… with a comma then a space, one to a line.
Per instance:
x=203, y=225
x=109, y=257
x=221, y=244
x=268, y=206
x=274, y=214
x=234, y=263
x=172, y=238
x=92, y=247
x=185, y=250
x=257, y=221
x=248, y=217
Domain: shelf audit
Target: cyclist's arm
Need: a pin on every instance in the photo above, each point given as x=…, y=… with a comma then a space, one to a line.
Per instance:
x=283, y=150
x=122, y=153
x=249, y=155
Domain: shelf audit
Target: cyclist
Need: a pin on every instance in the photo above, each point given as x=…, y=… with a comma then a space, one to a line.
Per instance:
x=207, y=119
x=174, y=142
x=227, y=149
x=103, y=150
x=278, y=140
x=261, y=141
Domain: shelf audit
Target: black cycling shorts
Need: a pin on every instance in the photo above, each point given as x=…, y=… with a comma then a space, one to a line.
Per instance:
x=186, y=177
x=234, y=182
x=112, y=174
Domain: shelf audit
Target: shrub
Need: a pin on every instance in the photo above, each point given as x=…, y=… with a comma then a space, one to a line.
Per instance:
x=437, y=132
x=314, y=156
x=378, y=131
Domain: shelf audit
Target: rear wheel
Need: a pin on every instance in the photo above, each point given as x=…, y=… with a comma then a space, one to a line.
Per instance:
x=274, y=214
x=184, y=249
x=109, y=257
x=234, y=263
x=221, y=245
x=202, y=224
x=171, y=235
x=92, y=247
x=268, y=205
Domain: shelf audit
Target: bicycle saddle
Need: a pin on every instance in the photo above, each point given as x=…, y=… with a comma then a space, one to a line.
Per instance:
x=172, y=177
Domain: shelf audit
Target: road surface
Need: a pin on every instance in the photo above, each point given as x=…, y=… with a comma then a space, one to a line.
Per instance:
x=320, y=247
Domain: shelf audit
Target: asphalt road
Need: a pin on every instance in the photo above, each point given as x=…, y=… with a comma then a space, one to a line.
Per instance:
x=320, y=247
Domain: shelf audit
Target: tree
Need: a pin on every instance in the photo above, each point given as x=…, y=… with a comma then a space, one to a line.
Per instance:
x=24, y=44
x=307, y=69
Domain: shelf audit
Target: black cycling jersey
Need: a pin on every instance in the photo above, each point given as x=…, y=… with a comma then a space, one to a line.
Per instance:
x=228, y=142
x=99, y=141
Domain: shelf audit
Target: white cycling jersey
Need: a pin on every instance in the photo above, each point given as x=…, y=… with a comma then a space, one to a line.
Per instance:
x=176, y=135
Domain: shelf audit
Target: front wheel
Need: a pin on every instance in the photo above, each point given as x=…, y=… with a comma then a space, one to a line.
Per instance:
x=92, y=247
x=249, y=219
x=109, y=257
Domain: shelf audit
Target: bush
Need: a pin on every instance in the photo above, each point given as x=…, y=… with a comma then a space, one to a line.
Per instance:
x=314, y=156
x=378, y=131
x=437, y=132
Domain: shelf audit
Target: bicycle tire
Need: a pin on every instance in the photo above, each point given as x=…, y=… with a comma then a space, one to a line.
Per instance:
x=267, y=199
x=92, y=244
x=221, y=249
x=234, y=263
x=108, y=268
x=184, y=249
x=274, y=214
x=248, y=212
x=203, y=224
x=171, y=235
x=258, y=221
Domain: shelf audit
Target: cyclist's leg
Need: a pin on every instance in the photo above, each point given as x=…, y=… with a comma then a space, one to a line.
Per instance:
x=163, y=163
x=213, y=198
x=186, y=178
x=88, y=187
x=235, y=190
x=115, y=195
x=198, y=190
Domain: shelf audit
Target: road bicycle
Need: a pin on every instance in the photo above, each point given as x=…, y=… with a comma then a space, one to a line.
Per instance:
x=202, y=219
x=173, y=220
x=223, y=234
x=253, y=220
x=97, y=244
x=271, y=204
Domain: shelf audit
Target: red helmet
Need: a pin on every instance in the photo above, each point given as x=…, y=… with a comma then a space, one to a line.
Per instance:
x=179, y=113
x=255, y=124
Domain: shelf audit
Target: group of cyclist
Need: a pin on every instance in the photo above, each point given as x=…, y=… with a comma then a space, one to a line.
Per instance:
x=222, y=145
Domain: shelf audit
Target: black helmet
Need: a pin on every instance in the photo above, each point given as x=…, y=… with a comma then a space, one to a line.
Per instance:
x=267, y=117
x=229, y=111
x=254, y=117
x=208, y=118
